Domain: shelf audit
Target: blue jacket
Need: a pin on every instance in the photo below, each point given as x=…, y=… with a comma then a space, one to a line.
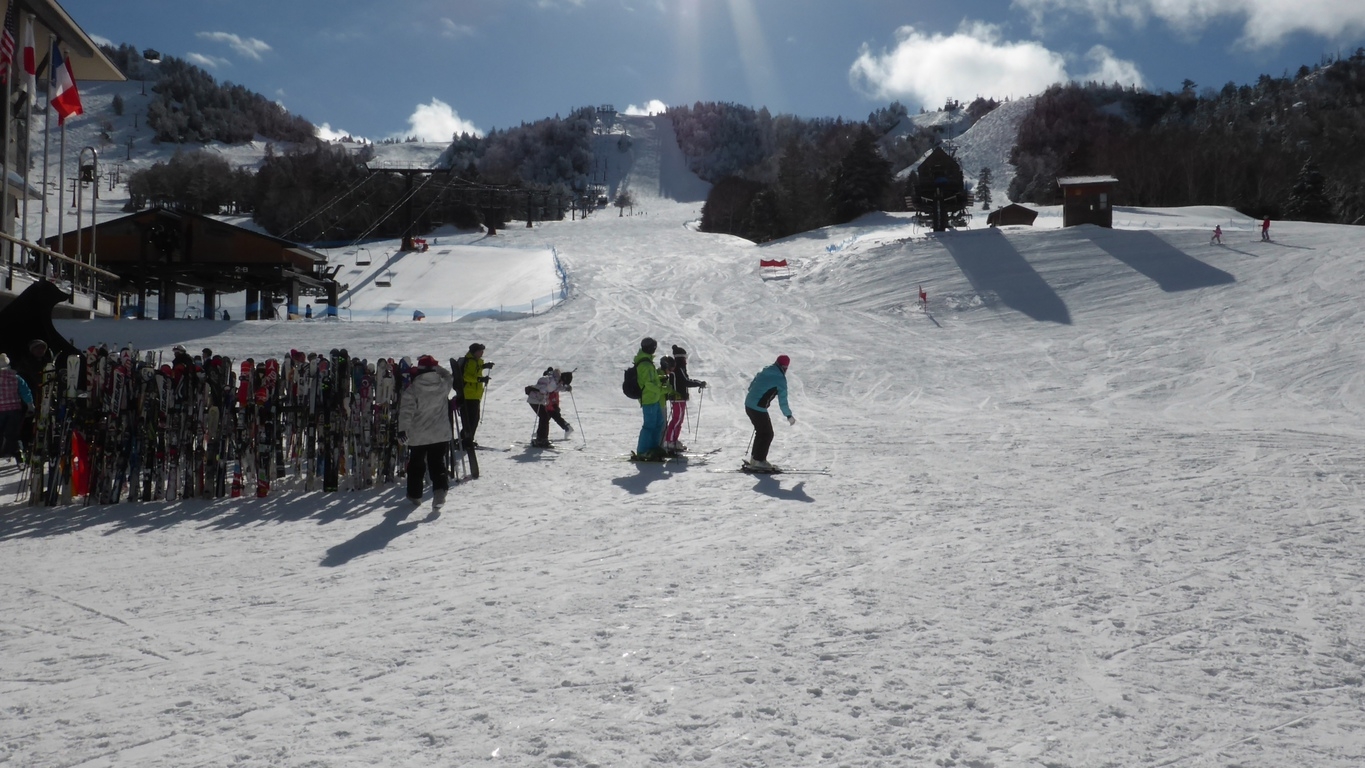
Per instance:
x=770, y=382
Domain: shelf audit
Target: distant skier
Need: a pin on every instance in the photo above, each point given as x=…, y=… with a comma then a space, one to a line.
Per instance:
x=769, y=383
x=473, y=380
x=308, y=312
x=1265, y=230
x=653, y=393
x=679, y=382
x=1217, y=238
x=424, y=424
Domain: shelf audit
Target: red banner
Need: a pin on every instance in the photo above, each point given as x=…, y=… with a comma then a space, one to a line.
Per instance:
x=772, y=262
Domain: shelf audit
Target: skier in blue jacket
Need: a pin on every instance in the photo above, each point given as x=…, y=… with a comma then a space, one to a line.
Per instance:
x=769, y=383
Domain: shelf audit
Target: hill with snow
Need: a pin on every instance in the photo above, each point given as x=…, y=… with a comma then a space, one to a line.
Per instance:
x=1100, y=504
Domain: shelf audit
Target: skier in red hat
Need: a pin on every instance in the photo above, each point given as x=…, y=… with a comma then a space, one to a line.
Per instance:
x=769, y=383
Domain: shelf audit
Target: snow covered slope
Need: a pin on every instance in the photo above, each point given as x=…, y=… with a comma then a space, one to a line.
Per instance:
x=1100, y=506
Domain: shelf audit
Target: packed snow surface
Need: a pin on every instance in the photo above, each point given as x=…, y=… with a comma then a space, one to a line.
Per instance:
x=1100, y=505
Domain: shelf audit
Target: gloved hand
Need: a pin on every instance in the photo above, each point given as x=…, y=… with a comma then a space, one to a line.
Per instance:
x=791, y=420
x=402, y=437
x=487, y=365
x=566, y=388
x=701, y=385
x=483, y=379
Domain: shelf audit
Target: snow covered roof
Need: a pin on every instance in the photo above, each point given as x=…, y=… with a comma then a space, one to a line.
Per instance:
x=1069, y=181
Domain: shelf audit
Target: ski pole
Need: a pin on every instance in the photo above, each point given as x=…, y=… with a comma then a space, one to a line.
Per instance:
x=578, y=419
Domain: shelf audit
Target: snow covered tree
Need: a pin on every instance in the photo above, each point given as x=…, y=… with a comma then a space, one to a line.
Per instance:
x=1307, y=199
x=863, y=181
x=983, y=189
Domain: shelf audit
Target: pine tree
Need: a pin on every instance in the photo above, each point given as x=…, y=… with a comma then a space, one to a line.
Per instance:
x=863, y=180
x=1307, y=199
x=983, y=189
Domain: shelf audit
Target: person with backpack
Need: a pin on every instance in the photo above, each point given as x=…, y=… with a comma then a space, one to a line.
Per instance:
x=769, y=383
x=543, y=397
x=653, y=393
x=471, y=380
x=15, y=400
x=679, y=382
x=424, y=424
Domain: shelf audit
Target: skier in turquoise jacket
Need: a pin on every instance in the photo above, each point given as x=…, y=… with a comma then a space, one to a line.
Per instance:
x=769, y=383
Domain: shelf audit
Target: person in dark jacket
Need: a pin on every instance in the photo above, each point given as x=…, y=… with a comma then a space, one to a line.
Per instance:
x=424, y=424
x=680, y=382
x=769, y=383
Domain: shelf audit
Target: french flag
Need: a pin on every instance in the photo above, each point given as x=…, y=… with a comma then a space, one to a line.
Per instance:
x=65, y=99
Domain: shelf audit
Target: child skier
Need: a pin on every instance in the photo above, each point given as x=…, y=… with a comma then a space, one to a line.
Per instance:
x=653, y=393
x=680, y=382
x=543, y=398
x=1217, y=235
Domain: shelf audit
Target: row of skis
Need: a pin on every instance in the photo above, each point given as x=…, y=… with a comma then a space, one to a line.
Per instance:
x=113, y=426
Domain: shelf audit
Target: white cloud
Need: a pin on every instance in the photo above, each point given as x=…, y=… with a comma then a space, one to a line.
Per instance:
x=974, y=61
x=101, y=40
x=327, y=133
x=208, y=62
x=1105, y=68
x=452, y=31
x=249, y=47
x=1265, y=22
x=651, y=107
x=438, y=122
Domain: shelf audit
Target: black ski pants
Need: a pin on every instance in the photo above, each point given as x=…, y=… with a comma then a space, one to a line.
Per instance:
x=543, y=416
x=424, y=458
x=469, y=422
x=763, y=433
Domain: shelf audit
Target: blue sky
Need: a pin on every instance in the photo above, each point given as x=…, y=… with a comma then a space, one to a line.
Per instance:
x=433, y=67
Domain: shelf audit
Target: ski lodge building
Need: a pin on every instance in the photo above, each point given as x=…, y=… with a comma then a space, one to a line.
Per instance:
x=1087, y=200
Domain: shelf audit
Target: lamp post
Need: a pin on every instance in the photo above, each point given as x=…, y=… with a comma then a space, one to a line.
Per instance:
x=89, y=173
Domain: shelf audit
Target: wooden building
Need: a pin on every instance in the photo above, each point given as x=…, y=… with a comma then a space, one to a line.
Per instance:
x=1012, y=214
x=172, y=252
x=1087, y=200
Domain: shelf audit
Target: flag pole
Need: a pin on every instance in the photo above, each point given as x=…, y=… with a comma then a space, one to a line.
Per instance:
x=7, y=223
x=47, y=141
x=32, y=89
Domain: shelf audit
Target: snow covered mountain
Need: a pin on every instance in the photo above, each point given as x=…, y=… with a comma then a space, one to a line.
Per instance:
x=1099, y=505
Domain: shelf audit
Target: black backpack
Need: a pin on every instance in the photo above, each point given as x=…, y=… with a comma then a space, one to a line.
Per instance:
x=457, y=368
x=630, y=385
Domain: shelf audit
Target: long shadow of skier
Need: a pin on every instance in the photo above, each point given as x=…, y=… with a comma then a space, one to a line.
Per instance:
x=374, y=539
x=769, y=485
x=645, y=473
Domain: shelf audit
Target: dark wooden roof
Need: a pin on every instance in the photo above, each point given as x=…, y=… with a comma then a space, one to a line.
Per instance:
x=194, y=250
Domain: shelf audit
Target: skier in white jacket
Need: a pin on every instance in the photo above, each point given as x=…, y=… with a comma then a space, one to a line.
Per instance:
x=424, y=424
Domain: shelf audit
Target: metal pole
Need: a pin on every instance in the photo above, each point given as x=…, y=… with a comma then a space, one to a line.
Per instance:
x=95, y=186
x=47, y=142
x=7, y=222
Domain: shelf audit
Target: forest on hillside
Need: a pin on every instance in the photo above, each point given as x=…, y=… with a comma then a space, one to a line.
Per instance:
x=1287, y=147
x=1284, y=147
x=191, y=107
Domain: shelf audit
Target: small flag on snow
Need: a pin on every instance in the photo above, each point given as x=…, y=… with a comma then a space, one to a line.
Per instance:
x=65, y=99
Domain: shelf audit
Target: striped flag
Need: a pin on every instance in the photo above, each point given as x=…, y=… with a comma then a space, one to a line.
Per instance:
x=7, y=40
x=30, y=56
x=65, y=99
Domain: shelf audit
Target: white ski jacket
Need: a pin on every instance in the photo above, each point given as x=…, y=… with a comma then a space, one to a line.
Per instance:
x=424, y=412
